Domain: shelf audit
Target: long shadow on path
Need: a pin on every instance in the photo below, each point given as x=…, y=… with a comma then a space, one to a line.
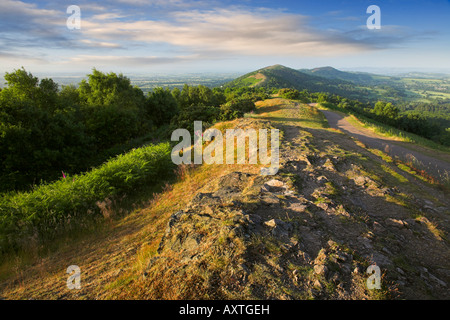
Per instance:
x=435, y=167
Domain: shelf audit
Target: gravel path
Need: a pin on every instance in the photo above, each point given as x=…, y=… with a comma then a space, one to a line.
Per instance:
x=435, y=167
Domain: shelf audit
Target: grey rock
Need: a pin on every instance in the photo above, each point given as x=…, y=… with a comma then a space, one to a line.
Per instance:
x=320, y=269
x=381, y=260
x=192, y=242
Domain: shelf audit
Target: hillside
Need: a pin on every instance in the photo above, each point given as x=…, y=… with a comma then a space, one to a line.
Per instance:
x=226, y=232
x=407, y=88
x=279, y=76
x=332, y=73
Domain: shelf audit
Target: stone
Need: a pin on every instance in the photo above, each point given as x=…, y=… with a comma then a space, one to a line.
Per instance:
x=381, y=260
x=342, y=256
x=270, y=199
x=396, y=223
x=320, y=269
x=173, y=219
x=377, y=227
x=191, y=243
x=254, y=219
x=272, y=223
x=360, y=181
x=401, y=271
x=367, y=244
x=323, y=206
x=280, y=232
x=318, y=285
x=298, y=207
x=274, y=186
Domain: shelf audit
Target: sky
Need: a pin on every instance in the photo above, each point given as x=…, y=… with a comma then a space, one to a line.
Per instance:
x=222, y=36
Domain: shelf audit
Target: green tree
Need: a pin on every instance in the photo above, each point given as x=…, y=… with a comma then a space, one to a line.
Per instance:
x=162, y=106
x=390, y=111
x=110, y=89
x=379, y=108
x=21, y=85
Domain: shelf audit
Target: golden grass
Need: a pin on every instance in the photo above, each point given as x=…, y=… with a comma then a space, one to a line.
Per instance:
x=105, y=252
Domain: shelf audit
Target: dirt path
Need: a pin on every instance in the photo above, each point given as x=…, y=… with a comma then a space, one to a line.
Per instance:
x=435, y=167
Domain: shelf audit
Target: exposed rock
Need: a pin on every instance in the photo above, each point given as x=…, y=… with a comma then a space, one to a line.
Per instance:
x=272, y=223
x=245, y=209
x=254, y=219
x=318, y=285
x=269, y=199
x=366, y=243
x=274, y=186
x=360, y=181
x=298, y=207
x=396, y=223
x=320, y=269
x=381, y=260
x=192, y=242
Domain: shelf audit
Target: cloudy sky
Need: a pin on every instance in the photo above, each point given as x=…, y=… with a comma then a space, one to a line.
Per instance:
x=181, y=36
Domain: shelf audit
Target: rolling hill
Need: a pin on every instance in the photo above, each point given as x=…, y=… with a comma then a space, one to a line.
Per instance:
x=365, y=87
x=278, y=76
x=332, y=73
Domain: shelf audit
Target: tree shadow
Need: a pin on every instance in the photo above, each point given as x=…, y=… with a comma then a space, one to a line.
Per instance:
x=437, y=168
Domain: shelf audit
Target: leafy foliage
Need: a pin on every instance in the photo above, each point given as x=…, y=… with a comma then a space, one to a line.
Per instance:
x=52, y=208
x=45, y=130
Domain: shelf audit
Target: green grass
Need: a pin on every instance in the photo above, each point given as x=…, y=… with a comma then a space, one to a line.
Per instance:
x=284, y=111
x=53, y=208
x=250, y=81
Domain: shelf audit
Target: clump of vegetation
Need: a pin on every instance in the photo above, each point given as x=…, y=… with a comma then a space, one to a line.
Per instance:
x=52, y=208
x=293, y=94
x=45, y=129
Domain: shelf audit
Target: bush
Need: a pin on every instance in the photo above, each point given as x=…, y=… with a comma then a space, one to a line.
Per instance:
x=185, y=119
x=236, y=109
x=51, y=208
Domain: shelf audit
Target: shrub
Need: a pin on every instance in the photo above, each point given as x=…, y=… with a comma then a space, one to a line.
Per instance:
x=51, y=208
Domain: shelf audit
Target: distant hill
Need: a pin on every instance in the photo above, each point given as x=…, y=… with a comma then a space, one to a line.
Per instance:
x=414, y=87
x=332, y=73
x=278, y=76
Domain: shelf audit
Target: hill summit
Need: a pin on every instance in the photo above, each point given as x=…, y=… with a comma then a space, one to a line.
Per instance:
x=279, y=76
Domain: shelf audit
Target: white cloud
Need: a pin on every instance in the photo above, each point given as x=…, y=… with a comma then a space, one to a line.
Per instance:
x=100, y=44
x=263, y=32
x=105, y=61
x=114, y=35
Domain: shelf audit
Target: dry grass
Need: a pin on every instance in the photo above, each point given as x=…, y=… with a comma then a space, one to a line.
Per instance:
x=115, y=253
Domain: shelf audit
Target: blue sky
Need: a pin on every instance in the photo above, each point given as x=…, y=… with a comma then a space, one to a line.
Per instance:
x=180, y=36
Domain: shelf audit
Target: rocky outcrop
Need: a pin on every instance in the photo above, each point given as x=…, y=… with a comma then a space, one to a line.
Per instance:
x=310, y=232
